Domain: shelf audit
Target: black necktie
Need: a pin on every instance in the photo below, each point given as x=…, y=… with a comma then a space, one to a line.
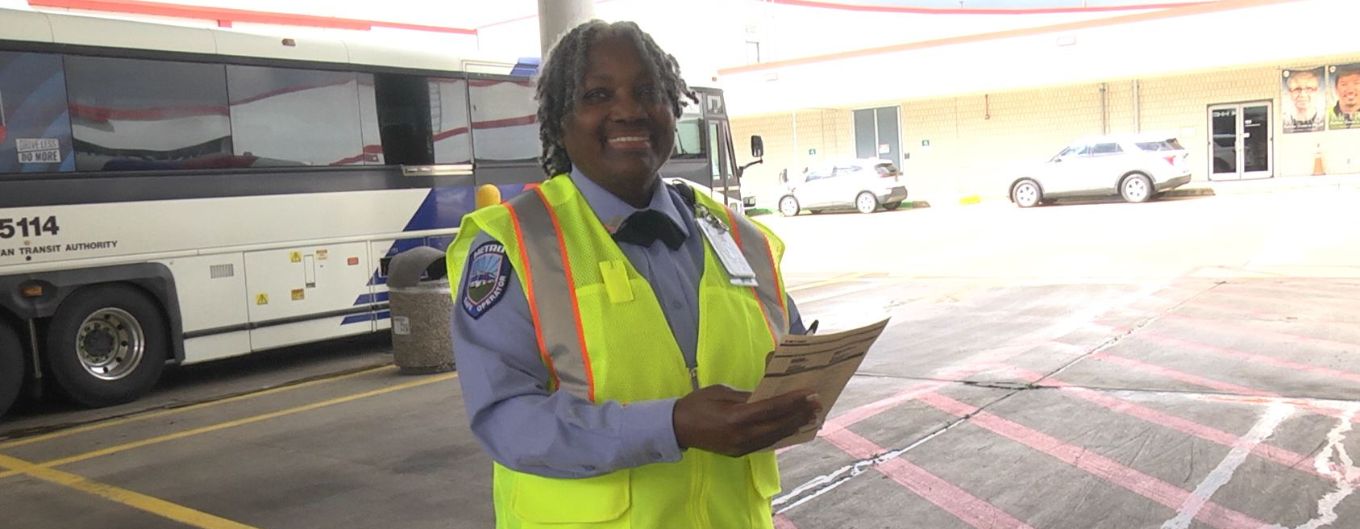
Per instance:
x=645, y=227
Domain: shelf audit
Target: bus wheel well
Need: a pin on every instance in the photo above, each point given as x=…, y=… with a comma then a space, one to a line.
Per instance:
x=107, y=344
x=153, y=279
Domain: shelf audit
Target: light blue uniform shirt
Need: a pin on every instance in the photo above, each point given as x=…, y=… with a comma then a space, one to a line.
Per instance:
x=527, y=428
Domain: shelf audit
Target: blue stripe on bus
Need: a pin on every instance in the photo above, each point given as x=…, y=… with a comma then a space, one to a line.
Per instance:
x=365, y=318
x=357, y=318
x=442, y=208
x=367, y=299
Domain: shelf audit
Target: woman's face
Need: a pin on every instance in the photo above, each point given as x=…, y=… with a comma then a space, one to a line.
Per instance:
x=621, y=129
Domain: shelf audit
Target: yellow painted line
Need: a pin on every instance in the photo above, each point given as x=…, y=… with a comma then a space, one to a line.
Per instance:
x=825, y=282
x=156, y=506
x=141, y=417
x=239, y=422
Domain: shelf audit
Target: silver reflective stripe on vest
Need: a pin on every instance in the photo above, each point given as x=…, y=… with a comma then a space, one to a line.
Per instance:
x=756, y=248
x=552, y=295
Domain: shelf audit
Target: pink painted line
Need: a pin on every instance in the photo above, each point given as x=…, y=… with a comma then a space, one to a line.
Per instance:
x=853, y=416
x=783, y=522
x=966, y=507
x=1239, y=329
x=1214, y=384
x=1097, y=465
x=1250, y=357
x=1274, y=454
x=1181, y=376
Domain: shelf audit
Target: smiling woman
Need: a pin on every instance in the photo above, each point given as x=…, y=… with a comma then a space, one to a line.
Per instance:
x=585, y=377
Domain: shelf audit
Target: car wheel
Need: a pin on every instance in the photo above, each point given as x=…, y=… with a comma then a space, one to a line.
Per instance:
x=866, y=202
x=892, y=205
x=11, y=367
x=107, y=345
x=788, y=206
x=1136, y=187
x=1026, y=194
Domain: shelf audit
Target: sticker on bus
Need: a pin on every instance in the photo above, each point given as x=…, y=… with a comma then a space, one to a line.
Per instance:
x=52, y=156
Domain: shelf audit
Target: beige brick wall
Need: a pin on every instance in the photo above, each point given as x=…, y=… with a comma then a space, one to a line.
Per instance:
x=978, y=143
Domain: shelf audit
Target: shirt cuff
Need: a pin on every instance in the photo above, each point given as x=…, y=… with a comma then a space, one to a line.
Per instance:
x=649, y=433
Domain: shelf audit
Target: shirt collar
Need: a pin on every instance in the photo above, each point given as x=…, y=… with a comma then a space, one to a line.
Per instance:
x=612, y=210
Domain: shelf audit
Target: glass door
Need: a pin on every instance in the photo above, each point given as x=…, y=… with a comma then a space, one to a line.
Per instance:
x=1240, y=141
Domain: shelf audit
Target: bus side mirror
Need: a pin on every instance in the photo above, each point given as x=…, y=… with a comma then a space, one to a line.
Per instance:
x=757, y=146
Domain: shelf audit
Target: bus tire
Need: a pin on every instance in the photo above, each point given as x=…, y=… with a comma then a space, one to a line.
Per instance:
x=11, y=367
x=107, y=345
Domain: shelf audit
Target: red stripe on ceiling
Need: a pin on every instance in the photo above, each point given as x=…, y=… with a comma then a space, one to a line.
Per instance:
x=979, y=10
x=225, y=17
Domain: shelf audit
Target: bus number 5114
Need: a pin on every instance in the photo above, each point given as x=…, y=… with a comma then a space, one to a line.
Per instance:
x=28, y=227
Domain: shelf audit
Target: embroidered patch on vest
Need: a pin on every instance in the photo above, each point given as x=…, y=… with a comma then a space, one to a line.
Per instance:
x=488, y=274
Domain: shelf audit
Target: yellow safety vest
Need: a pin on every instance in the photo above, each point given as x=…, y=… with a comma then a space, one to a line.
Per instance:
x=603, y=337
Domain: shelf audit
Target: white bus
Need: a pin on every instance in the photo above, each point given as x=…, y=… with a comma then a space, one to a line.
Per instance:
x=178, y=195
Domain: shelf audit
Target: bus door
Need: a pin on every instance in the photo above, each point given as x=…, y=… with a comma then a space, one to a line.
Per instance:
x=724, y=181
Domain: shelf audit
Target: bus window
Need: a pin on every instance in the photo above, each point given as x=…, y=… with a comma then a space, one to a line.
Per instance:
x=504, y=120
x=368, y=120
x=145, y=114
x=283, y=116
x=404, y=118
x=448, y=118
x=717, y=139
x=689, y=142
x=35, y=129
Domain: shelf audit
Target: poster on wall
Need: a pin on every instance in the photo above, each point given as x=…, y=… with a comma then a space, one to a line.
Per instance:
x=1343, y=90
x=1301, y=102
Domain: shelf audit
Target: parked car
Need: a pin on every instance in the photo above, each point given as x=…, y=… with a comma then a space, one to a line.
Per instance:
x=1135, y=167
x=865, y=185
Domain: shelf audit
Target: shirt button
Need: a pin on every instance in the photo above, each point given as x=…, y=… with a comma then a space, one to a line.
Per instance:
x=675, y=305
x=589, y=468
x=656, y=456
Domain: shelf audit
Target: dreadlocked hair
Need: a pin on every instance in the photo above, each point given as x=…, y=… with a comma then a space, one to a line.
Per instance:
x=559, y=83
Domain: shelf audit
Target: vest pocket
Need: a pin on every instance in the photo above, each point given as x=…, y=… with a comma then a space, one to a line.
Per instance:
x=586, y=500
x=764, y=473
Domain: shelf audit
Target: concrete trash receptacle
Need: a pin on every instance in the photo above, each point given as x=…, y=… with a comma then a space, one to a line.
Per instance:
x=418, y=296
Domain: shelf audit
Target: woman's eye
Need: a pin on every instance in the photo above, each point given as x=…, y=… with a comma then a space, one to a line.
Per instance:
x=595, y=96
x=649, y=94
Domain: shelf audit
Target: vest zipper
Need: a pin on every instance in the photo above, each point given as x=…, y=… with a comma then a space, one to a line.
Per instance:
x=694, y=377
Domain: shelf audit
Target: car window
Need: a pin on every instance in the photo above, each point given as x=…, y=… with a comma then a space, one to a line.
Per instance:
x=817, y=173
x=1170, y=144
x=847, y=170
x=1077, y=150
x=1106, y=148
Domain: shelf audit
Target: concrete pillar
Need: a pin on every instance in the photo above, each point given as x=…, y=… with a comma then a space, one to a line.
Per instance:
x=557, y=17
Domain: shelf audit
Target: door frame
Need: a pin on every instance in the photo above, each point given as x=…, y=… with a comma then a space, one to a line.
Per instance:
x=1239, y=143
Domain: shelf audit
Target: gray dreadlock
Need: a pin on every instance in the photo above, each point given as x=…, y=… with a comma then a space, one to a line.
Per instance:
x=560, y=82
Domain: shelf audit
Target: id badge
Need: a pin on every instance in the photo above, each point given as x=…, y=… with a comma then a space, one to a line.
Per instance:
x=739, y=271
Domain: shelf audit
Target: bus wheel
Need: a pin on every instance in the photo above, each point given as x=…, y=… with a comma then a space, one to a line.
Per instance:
x=107, y=345
x=11, y=367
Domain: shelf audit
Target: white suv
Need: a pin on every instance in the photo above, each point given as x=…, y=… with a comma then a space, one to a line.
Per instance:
x=1136, y=167
x=864, y=185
